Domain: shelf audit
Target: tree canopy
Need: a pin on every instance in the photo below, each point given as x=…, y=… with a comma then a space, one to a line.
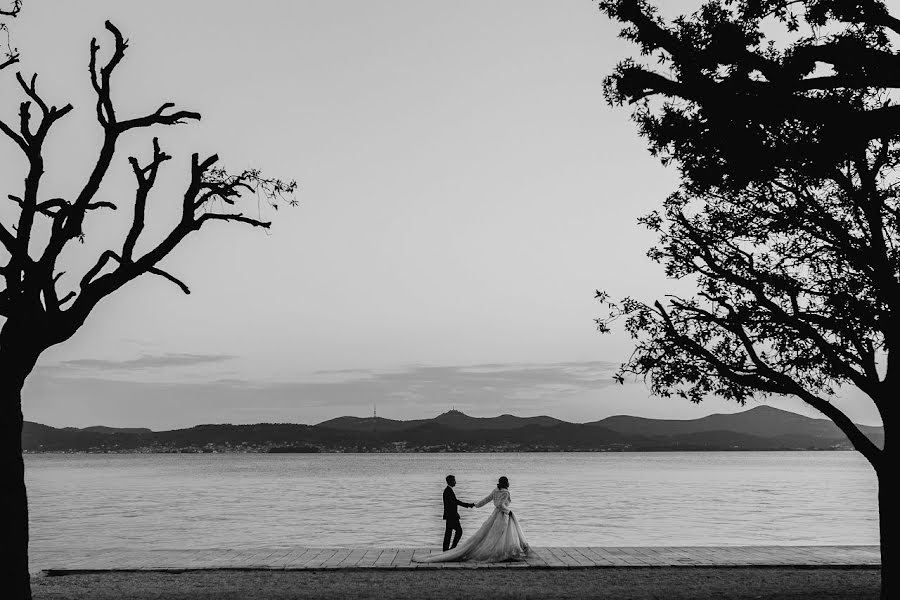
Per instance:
x=781, y=118
x=787, y=213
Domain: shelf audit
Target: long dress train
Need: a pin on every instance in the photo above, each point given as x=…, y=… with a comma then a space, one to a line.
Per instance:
x=499, y=538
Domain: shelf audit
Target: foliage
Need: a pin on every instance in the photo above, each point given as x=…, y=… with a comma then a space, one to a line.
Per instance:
x=780, y=118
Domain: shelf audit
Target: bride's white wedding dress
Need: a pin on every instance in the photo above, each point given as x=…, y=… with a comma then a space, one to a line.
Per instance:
x=499, y=538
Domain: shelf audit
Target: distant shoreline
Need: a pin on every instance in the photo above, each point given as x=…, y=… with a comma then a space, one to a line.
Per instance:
x=762, y=428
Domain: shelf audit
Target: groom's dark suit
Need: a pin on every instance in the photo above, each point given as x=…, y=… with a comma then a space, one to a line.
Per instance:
x=451, y=515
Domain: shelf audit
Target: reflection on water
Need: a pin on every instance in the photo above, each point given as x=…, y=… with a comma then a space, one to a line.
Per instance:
x=87, y=502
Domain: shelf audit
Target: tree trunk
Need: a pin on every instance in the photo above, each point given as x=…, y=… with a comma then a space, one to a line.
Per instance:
x=884, y=520
x=15, y=576
x=19, y=351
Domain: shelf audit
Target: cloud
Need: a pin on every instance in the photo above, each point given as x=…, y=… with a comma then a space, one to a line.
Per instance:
x=146, y=361
x=414, y=391
x=573, y=391
x=498, y=377
x=343, y=372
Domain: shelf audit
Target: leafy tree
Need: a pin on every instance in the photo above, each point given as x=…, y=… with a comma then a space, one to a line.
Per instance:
x=37, y=313
x=781, y=118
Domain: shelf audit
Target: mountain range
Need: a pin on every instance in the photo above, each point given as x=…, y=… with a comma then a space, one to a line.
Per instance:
x=759, y=428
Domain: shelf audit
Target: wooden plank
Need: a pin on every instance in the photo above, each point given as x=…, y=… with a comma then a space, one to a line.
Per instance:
x=403, y=558
x=335, y=559
x=278, y=554
x=534, y=559
x=369, y=558
x=420, y=553
x=580, y=559
x=564, y=559
x=386, y=558
x=597, y=558
x=574, y=558
x=257, y=558
x=354, y=557
x=635, y=557
x=179, y=559
x=297, y=557
x=547, y=555
x=90, y=560
x=201, y=559
x=658, y=557
x=221, y=559
x=590, y=556
x=730, y=556
x=611, y=556
x=242, y=558
x=319, y=558
x=539, y=557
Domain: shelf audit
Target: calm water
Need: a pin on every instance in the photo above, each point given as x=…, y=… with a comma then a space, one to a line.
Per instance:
x=87, y=502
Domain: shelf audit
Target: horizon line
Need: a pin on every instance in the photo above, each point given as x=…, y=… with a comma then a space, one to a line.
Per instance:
x=452, y=410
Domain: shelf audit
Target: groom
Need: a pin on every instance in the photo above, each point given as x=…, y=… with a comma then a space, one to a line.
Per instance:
x=451, y=515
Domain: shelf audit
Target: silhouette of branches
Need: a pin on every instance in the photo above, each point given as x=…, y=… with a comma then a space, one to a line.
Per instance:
x=787, y=218
x=720, y=62
x=788, y=214
x=36, y=313
x=31, y=279
x=8, y=54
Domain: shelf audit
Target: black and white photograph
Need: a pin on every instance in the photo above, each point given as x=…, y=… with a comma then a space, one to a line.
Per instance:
x=459, y=299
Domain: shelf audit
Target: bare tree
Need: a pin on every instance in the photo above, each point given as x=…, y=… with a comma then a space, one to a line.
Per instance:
x=37, y=313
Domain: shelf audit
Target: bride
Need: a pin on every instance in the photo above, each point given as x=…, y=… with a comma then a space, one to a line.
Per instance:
x=499, y=538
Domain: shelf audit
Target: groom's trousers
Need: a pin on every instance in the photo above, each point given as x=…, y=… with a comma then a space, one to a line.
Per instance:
x=452, y=525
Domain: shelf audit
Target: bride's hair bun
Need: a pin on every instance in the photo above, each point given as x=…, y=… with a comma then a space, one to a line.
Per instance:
x=503, y=483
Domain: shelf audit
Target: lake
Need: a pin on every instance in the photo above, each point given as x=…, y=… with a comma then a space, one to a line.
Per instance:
x=85, y=502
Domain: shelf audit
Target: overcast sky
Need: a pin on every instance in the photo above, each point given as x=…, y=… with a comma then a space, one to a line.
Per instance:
x=464, y=189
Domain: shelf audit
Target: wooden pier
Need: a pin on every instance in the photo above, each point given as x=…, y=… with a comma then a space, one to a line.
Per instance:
x=303, y=558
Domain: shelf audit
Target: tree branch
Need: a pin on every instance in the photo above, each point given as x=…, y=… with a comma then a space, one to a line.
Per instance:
x=170, y=277
x=105, y=111
x=105, y=257
x=12, y=12
x=232, y=217
x=32, y=93
x=106, y=115
x=12, y=55
x=7, y=239
x=101, y=204
x=45, y=206
x=11, y=59
x=771, y=381
x=66, y=298
x=833, y=353
x=19, y=140
x=747, y=379
x=159, y=118
x=860, y=441
x=146, y=177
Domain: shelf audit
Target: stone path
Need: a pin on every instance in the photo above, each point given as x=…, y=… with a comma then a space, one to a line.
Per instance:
x=401, y=558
